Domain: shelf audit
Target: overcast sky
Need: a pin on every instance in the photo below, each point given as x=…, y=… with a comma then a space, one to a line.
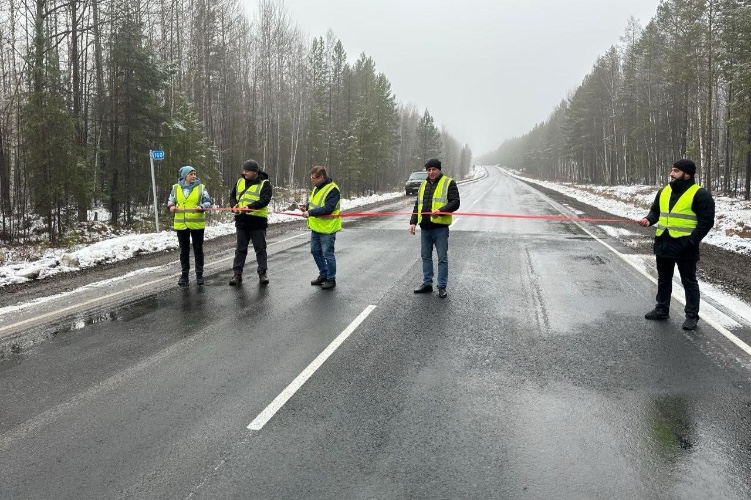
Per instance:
x=487, y=70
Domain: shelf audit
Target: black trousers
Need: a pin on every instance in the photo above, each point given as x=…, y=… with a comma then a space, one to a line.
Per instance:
x=244, y=237
x=687, y=271
x=183, y=237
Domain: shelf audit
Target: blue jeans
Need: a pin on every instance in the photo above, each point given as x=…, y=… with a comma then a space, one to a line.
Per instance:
x=322, y=248
x=438, y=237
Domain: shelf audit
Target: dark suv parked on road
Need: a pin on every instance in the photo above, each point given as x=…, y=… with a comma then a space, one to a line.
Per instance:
x=413, y=183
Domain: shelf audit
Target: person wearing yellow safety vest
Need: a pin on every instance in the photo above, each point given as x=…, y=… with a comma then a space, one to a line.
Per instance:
x=322, y=210
x=187, y=201
x=250, y=197
x=684, y=213
x=437, y=197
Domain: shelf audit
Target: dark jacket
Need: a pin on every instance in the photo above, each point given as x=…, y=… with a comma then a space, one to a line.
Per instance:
x=332, y=198
x=684, y=248
x=451, y=206
x=246, y=221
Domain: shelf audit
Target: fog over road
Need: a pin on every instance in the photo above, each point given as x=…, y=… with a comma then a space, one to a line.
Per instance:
x=536, y=378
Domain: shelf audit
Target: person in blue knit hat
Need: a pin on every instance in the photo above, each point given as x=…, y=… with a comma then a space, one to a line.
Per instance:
x=187, y=201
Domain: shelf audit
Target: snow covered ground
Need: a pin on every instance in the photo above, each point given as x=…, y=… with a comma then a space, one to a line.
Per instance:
x=732, y=232
x=56, y=261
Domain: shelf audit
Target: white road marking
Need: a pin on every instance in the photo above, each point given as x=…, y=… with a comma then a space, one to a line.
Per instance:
x=263, y=417
x=104, y=297
x=707, y=319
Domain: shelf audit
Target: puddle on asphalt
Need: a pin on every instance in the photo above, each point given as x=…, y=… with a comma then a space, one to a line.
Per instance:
x=121, y=313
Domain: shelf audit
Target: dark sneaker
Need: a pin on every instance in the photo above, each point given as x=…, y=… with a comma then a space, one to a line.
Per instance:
x=690, y=323
x=424, y=289
x=657, y=314
x=236, y=280
x=328, y=284
x=263, y=279
x=183, y=281
x=442, y=293
x=199, y=279
x=318, y=281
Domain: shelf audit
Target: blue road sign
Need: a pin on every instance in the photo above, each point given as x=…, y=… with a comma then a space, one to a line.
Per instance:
x=157, y=154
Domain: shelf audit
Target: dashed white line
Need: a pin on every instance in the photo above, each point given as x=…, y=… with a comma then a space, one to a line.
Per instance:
x=291, y=389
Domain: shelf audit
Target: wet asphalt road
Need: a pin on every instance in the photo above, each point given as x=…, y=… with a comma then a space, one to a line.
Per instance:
x=536, y=378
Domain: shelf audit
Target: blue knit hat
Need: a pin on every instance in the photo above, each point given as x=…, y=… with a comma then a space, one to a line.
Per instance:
x=184, y=171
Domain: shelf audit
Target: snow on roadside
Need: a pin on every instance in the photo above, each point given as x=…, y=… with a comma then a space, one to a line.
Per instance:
x=55, y=261
x=732, y=230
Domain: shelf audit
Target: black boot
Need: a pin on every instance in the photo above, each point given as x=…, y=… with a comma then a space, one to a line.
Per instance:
x=236, y=280
x=199, y=279
x=657, y=314
x=183, y=281
x=263, y=279
x=690, y=323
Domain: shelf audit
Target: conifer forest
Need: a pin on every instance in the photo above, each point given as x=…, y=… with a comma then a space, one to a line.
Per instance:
x=89, y=87
x=679, y=87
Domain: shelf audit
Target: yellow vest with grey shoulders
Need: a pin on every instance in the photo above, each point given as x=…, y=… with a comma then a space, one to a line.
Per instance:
x=440, y=199
x=325, y=224
x=681, y=220
x=186, y=217
x=253, y=193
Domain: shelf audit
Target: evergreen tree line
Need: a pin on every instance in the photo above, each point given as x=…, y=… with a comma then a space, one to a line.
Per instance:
x=89, y=87
x=678, y=88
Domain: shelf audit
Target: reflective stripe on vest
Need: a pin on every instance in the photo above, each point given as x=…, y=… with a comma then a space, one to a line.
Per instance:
x=253, y=193
x=681, y=220
x=325, y=225
x=440, y=199
x=190, y=219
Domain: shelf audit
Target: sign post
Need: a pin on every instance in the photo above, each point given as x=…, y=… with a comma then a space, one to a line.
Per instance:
x=156, y=154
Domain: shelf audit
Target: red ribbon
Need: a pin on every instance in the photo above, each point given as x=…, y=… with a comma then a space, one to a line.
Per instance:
x=563, y=218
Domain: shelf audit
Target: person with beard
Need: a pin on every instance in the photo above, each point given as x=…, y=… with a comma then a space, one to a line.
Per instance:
x=684, y=214
x=250, y=198
x=187, y=201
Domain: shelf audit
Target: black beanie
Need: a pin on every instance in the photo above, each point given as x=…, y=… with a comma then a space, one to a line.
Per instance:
x=250, y=165
x=686, y=166
x=433, y=163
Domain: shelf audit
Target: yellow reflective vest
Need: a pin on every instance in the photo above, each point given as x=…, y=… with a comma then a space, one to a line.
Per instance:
x=253, y=193
x=189, y=219
x=681, y=220
x=326, y=224
x=440, y=199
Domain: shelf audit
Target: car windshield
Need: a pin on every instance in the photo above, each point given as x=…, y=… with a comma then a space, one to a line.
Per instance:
x=418, y=176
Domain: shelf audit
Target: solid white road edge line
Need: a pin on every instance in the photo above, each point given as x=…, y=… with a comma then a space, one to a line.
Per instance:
x=110, y=295
x=263, y=417
x=717, y=326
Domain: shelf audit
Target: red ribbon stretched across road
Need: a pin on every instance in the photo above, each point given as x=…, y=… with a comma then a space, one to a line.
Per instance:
x=563, y=218
x=475, y=214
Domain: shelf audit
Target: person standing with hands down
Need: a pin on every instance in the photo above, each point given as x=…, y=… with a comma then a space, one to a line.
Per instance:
x=684, y=214
x=187, y=202
x=250, y=199
x=324, y=201
x=437, y=197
